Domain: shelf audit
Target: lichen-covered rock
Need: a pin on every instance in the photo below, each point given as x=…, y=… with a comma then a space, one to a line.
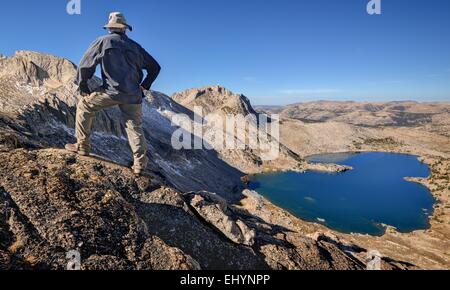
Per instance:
x=158, y=256
x=54, y=204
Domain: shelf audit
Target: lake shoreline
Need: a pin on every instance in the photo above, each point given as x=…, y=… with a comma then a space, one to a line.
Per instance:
x=423, y=248
x=370, y=206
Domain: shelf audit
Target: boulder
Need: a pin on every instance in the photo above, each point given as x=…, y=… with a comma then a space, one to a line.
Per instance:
x=215, y=210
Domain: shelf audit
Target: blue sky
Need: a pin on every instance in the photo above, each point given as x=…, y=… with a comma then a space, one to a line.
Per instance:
x=273, y=51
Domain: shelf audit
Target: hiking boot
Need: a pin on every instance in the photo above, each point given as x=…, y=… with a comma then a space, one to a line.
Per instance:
x=75, y=148
x=141, y=173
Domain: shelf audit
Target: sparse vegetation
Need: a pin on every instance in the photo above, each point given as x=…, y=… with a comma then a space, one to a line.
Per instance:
x=383, y=141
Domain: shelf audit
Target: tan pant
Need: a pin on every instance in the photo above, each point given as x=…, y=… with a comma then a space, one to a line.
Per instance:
x=132, y=114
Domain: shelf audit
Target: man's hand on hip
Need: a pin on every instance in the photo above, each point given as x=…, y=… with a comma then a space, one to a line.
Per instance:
x=84, y=89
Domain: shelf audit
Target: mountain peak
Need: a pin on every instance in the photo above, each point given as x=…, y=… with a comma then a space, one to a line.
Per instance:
x=215, y=99
x=34, y=67
x=217, y=89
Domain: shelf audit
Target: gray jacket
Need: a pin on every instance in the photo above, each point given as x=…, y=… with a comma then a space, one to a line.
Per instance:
x=122, y=62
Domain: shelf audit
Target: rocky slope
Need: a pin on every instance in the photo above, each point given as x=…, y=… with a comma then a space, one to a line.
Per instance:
x=217, y=103
x=182, y=216
x=326, y=137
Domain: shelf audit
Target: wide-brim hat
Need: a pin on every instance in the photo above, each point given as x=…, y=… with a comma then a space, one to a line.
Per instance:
x=118, y=20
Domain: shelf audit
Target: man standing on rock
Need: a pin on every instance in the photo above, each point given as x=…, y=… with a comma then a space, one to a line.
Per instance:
x=122, y=63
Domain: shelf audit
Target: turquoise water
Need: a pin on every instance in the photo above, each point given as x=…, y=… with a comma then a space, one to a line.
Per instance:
x=357, y=201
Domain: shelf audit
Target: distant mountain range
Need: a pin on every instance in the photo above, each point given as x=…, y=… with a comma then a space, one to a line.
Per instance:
x=406, y=113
